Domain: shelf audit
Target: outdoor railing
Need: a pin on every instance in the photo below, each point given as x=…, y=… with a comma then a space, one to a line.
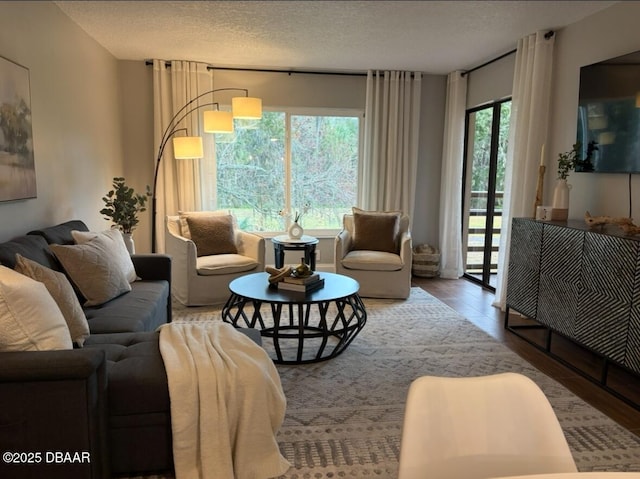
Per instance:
x=476, y=234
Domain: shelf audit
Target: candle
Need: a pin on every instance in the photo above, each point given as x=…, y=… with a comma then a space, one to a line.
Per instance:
x=542, y=156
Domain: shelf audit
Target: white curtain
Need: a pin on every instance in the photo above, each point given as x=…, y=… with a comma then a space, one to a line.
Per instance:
x=178, y=187
x=451, y=262
x=387, y=172
x=527, y=134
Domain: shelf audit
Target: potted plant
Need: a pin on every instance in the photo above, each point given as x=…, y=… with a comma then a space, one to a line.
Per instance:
x=122, y=205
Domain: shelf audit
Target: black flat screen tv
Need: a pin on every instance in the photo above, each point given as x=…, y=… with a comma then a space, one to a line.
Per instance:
x=609, y=115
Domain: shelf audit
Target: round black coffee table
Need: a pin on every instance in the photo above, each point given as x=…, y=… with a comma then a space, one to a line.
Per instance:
x=304, y=328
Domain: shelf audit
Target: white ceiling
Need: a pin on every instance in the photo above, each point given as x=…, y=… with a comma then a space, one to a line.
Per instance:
x=430, y=36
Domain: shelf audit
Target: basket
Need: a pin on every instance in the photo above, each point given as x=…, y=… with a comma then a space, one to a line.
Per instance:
x=426, y=261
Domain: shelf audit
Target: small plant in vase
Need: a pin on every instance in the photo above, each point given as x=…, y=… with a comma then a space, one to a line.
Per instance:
x=567, y=162
x=122, y=206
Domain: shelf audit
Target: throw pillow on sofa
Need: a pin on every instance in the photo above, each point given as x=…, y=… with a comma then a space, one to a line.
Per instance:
x=62, y=293
x=30, y=319
x=119, y=253
x=93, y=270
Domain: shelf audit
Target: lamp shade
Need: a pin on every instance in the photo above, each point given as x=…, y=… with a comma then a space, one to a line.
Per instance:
x=187, y=147
x=216, y=121
x=246, y=107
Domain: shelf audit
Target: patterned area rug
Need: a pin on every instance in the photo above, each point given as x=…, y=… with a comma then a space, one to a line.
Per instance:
x=344, y=415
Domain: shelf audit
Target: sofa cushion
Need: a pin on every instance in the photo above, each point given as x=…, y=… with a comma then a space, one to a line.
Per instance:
x=118, y=250
x=143, y=309
x=92, y=269
x=30, y=319
x=376, y=230
x=224, y=264
x=61, y=233
x=372, y=261
x=136, y=375
x=32, y=247
x=212, y=234
x=63, y=294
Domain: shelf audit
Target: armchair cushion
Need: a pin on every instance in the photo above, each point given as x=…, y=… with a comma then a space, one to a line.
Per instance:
x=224, y=264
x=212, y=235
x=376, y=231
x=372, y=261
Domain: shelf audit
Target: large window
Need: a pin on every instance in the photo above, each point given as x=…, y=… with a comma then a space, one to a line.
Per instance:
x=287, y=163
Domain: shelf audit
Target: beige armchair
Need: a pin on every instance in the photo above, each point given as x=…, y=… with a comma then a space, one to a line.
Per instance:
x=376, y=252
x=208, y=251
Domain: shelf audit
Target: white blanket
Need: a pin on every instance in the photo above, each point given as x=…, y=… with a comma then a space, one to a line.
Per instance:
x=227, y=403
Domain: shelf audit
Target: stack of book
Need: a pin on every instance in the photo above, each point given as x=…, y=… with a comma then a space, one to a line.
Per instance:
x=304, y=284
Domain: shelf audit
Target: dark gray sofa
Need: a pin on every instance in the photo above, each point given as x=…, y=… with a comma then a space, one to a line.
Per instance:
x=108, y=401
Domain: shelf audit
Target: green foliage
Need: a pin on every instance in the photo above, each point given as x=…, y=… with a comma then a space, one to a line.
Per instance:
x=567, y=161
x=122, y=205
x=483, y=124
x=324, y=159
x=570, y=160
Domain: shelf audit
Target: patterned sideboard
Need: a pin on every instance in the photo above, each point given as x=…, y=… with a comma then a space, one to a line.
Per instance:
x=581, y=283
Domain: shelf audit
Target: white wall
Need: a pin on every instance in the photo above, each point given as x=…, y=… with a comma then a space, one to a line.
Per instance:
x=75, y=116
x=607, y=34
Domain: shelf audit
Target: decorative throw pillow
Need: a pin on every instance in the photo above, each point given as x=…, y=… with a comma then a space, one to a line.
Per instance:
x=30, y=319
x=183, y=215
x=119, y=253
x=212, y=234
x=376, y=230
x=62, y=293
x=92, y=268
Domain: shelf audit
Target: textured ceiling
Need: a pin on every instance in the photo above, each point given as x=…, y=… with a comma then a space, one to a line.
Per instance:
x=429, y=36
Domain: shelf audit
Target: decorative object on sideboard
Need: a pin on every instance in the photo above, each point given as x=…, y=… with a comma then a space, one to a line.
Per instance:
x=625, y=224
x=17, y=164
x=190, y=147
x=569, y=161
x=540, y=186
x=122, y=206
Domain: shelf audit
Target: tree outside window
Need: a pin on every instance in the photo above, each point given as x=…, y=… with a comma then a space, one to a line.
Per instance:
x=286, y=163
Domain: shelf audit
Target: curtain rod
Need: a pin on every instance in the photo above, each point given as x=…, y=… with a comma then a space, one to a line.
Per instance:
x=547, y=35
x=290, y=72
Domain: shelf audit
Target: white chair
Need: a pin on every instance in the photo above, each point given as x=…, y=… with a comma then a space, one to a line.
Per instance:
x=480, y=427
x=204, y=280
x=381, y=274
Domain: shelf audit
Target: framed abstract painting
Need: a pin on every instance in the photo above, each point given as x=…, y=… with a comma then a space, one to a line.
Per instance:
x=17, y=164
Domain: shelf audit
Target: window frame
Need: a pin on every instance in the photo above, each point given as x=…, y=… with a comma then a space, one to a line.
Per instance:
x=310, y=111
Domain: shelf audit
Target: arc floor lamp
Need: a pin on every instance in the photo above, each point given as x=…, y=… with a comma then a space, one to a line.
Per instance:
x=190, y=147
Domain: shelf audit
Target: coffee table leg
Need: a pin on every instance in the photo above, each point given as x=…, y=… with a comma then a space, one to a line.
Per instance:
x=276, y=311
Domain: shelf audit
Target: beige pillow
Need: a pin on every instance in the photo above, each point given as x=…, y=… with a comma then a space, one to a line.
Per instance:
x=376, y=230
x=30, y=319
x=183, y=215
x=119, y=252
x=93, y=270
x=62, y=293
x=212, y=234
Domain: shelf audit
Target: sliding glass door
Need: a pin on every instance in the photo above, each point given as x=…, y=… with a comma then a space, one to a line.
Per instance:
x=486, y=136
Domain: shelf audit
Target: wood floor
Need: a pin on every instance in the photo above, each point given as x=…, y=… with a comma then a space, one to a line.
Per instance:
x=475, y=304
